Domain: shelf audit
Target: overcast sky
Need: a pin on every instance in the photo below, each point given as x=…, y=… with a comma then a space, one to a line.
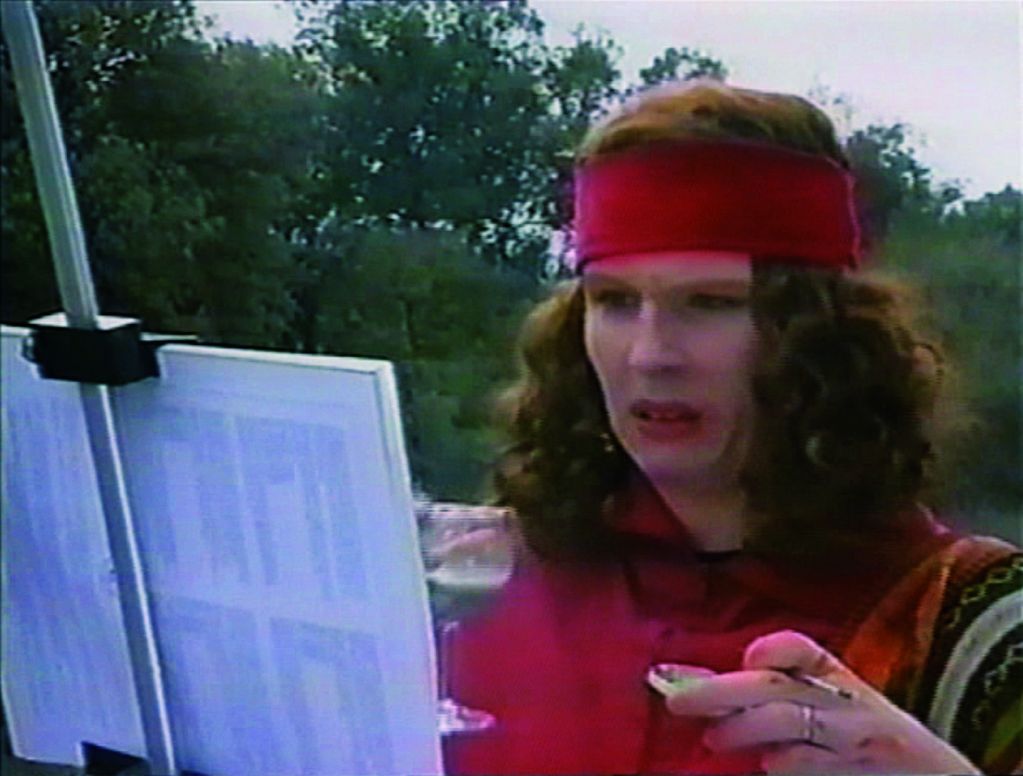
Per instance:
x=950, y=69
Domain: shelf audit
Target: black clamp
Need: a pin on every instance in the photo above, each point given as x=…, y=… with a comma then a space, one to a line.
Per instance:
x=117, y=352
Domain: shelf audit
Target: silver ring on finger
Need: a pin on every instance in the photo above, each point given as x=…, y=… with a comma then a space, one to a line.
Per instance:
x=811, y=725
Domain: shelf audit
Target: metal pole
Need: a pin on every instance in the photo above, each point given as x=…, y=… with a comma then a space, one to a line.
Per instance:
x=74, y=280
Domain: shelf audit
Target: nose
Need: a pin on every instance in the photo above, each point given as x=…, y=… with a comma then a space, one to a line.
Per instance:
x=658, y=345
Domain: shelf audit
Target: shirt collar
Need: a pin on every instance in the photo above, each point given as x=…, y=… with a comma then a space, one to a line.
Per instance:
x=653, y=540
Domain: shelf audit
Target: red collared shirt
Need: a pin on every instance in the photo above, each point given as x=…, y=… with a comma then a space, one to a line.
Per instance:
x=561, y=659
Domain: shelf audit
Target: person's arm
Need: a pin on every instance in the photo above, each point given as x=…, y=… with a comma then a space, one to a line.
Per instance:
x=972, y=680
x=967, y=715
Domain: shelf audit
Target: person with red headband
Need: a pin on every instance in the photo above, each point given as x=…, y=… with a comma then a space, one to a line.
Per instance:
x=720, y=450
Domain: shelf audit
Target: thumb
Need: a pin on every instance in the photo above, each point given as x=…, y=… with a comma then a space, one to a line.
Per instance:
x=789, y=650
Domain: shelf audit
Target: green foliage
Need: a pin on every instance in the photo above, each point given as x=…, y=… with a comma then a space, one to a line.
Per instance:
x=27, y=284
x=450, y=128
x=996, y=214
x=425, y=300
x=91, y=47
x=694, y=64
x=453, y=114
x=969, y=270
x=391, y=188
x=241, y=121
x=964, y=256
x=890, y=179
x=188, y=159
x=144, y=212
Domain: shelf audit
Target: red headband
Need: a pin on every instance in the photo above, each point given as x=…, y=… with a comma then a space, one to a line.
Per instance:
x=736, y=196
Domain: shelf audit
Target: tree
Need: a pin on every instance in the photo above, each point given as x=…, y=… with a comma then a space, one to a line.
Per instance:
x=426, y=300
x=694, y=64
x=188, y=159
x=91, y=47
x=450, y=132
x=243, y=122
x=998, y=214
x=890, y=179
x=453, y=115
x=392, y=186
x=967, y=264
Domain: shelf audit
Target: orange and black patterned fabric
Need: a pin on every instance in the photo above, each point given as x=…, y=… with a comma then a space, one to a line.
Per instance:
x=972, y=685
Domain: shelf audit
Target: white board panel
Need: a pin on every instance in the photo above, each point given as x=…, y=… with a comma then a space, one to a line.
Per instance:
x=66, y=673
x=274, y=514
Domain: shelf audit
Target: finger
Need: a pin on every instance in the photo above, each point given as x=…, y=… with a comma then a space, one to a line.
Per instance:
x=673, y=678
x=479, y=541
x=790, y=650
x=882, y=751
x=803, y=758
x=772, y=723
x=741, y=689
x=856, y=734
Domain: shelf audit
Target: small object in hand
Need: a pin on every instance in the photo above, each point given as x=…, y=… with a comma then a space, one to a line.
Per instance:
x=671, y=678
x=812, y=681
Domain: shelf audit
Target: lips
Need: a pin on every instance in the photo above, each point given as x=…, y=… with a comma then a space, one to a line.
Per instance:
x=664, y=411
x=666, y=421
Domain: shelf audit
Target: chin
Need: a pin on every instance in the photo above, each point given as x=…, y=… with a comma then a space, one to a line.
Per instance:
x=679, y=468
x=715, y=461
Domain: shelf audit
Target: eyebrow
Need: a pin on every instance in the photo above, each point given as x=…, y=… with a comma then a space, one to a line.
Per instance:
x=713, y=284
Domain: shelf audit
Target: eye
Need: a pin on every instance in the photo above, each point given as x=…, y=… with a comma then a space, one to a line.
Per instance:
x=613, y=299
x=718, y=301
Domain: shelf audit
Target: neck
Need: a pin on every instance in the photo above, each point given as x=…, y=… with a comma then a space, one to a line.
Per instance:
x=715, y=518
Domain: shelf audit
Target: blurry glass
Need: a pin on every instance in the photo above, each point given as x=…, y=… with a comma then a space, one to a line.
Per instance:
x=467, y=551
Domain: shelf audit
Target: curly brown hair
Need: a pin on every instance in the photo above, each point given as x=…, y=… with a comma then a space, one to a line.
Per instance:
x=844, y=441
x=847, y=389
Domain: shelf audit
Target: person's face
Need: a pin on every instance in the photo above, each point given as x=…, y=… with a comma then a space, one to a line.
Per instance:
x=672, y=341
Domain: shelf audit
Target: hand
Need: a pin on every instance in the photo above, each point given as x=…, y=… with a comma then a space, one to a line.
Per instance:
x=805, y=729
x=482, y=546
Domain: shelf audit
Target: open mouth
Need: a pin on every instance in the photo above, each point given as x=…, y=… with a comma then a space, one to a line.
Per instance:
x=665, y=411
x=667, y=421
